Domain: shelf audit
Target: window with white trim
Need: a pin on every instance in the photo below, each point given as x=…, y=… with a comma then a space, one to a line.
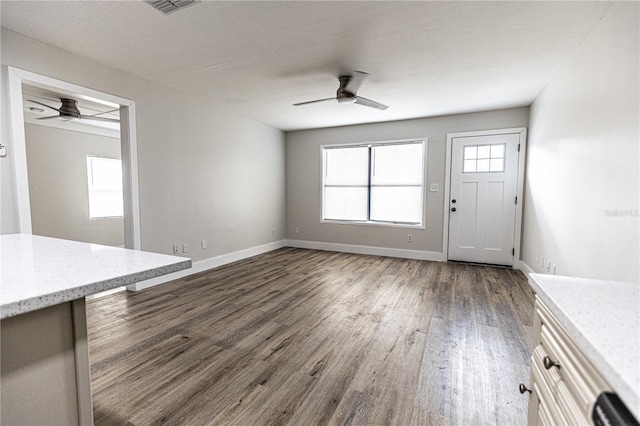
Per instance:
x=104, y=176
x=374, y=183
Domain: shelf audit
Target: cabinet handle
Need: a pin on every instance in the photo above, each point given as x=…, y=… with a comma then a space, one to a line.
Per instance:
x=548, y=363
x=523, y=388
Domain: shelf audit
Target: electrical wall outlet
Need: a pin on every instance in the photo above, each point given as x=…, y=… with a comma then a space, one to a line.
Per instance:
x=185, y=248
x=273, y=232
x=176, y=250
x=203, y=244
x=410, y=238
x=297, y=229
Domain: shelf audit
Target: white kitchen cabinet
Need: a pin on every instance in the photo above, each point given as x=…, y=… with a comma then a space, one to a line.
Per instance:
x=572, y=361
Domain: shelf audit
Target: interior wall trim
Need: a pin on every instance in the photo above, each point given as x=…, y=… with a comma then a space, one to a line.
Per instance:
x=224, y=259
x=213, y=262
x=375, y=251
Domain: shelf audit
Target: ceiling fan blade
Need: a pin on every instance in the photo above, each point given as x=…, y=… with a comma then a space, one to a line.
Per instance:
x=368, y=102
x=47, y=118
x=313, y=102
x=94, y=118
x=44, y=105
x=355, y=81
x=101, y=113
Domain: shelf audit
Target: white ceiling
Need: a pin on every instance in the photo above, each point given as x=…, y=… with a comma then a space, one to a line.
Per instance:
x=258, y=58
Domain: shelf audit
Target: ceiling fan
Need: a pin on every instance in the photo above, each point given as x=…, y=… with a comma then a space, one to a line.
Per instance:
x=346, y=93
x=69, y=110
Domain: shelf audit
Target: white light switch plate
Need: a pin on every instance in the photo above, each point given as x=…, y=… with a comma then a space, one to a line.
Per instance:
x=433, y=187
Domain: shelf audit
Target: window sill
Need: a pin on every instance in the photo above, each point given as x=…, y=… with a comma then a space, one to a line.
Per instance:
x=372, y=223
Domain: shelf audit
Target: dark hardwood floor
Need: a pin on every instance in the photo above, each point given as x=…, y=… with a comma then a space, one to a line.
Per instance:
x=305, y=337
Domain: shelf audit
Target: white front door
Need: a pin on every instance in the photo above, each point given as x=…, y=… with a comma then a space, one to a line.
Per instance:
x=482, y=198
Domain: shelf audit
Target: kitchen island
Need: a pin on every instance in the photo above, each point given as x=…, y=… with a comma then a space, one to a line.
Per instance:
x=45, y=368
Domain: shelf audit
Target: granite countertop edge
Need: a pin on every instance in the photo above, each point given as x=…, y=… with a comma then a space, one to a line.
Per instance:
x=12, y=309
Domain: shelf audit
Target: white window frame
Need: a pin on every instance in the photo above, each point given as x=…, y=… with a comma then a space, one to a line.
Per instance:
x=421, y=225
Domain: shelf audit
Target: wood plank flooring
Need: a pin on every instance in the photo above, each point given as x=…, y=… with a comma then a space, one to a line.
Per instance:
x=305, y=337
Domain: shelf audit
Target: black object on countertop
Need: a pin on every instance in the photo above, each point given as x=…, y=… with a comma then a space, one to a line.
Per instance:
x=609, y=410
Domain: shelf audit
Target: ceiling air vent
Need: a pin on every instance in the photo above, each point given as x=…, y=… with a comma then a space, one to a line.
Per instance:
x=169, y=6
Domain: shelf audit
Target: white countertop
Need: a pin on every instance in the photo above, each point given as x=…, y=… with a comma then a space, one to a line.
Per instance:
x=36, y=272
x=603, y=318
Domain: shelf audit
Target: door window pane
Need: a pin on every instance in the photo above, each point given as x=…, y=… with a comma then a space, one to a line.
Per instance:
x=469, y=166
x=470, y=152
x=483, y=165
x=483, y=158
x=497, y=165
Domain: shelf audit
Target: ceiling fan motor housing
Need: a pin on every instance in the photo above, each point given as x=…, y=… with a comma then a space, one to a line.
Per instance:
x=343, y=96
x=69, y=108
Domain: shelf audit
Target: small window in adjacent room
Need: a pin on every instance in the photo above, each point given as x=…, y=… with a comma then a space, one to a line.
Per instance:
x=105, y=187
x=381, y=183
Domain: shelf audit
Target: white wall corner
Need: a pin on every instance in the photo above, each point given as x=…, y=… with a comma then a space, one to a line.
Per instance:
x=205, y=265
x=370, y=250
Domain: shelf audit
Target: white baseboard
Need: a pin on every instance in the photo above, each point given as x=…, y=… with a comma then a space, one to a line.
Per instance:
x=207, y=264
x=524, y=268
x=204, y=265
x=375, y=251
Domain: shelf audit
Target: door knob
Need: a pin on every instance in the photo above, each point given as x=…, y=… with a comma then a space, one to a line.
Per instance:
x=453, y=209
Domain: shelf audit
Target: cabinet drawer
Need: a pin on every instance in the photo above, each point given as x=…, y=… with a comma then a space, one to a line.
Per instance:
x=545, y=392
x=552, y=376
x=580, y=382
x=554, y=390
x=567, y=403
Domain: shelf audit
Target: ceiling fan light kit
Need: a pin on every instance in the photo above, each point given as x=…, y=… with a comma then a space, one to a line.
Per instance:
x=346, y=93
x=347, y=100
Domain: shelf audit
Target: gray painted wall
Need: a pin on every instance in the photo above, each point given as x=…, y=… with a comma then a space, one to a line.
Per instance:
x=581, y=201
x=304, y=177
x=205, y=173
x=58, y=189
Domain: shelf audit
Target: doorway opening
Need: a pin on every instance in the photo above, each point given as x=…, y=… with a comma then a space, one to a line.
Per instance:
x=74, y=167
x=128, y=149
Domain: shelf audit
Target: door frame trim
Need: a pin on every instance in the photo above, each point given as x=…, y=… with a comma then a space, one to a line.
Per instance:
x=522, y=134
x=128, y=144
